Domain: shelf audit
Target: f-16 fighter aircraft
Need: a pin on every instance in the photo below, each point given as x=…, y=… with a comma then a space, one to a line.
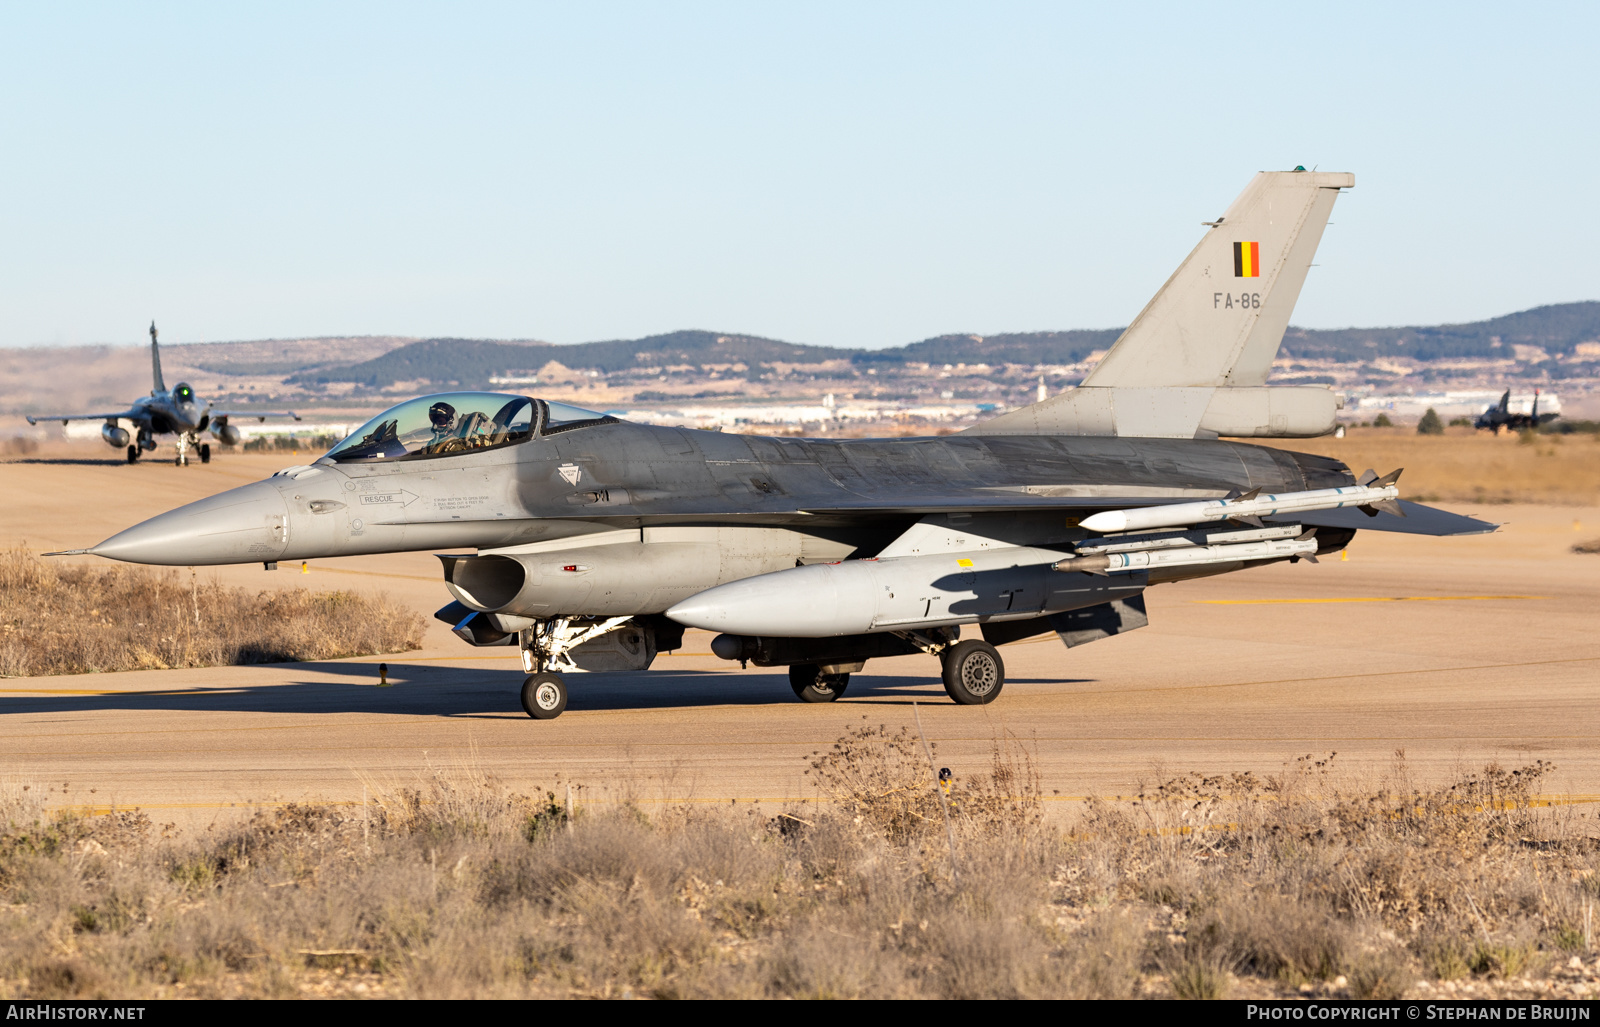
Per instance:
x=175, y=411
x=589, y=542
x=1500, y=418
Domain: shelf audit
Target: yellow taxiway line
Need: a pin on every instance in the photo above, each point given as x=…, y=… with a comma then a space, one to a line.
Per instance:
x=1356, y=599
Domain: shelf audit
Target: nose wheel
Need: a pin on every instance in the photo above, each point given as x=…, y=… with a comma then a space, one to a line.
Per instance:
x=544, y=695
x=973, y=672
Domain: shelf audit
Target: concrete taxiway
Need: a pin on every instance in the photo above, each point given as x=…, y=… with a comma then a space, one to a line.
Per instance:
x=1457, y=651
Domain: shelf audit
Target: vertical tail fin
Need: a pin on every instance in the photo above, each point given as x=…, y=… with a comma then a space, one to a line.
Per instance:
x=157, y=383
x=1220, y=318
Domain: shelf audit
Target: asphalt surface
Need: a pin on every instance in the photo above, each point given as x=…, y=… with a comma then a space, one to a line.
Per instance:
x=1457, y=651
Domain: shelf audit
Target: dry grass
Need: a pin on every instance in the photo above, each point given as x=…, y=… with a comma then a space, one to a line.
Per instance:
x=1467, y=466
x=458, y=886
x=78, y=618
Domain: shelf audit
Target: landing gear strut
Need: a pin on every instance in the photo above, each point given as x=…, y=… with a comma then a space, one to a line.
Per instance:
x=185, y=440
x=133, y=454
x=545, y=648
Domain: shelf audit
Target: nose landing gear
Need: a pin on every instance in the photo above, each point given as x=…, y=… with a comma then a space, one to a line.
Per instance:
x=185, y=441
x=544, y=695
x=546, y=647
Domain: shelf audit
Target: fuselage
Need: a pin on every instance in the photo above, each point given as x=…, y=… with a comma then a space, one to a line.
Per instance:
x=617, y=475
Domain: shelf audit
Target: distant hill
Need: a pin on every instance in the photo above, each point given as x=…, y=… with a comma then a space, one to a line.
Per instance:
x=1556, y=329
x=1006, y=348
x=470, y=362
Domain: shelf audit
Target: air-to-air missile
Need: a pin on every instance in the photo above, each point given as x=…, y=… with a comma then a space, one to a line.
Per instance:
x=589, y=542
x=1379, y=494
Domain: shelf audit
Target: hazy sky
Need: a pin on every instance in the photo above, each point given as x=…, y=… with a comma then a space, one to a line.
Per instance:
x=845, y=174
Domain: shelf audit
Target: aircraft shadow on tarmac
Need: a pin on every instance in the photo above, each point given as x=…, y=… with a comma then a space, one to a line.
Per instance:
x=69, y=461
x=420, y=690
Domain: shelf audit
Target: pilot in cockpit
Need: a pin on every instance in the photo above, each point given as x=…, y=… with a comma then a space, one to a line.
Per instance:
x=443, y=418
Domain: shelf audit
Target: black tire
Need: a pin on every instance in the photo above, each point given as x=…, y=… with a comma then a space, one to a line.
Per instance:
x=133, y=454
x=205, y=452
x=544, y=696
x=974, y=674
x=811, y=685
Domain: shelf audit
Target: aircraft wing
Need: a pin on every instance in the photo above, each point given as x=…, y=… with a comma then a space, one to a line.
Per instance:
x=260, y=415
x=126, y=415
x=1419, y=520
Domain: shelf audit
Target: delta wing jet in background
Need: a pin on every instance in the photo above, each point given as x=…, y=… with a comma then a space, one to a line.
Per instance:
x=592, y=542
x=1501, y=418
x=175, y=411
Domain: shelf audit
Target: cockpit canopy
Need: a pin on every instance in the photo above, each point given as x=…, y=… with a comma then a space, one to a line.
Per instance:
x=183, y=392
x=458, y=422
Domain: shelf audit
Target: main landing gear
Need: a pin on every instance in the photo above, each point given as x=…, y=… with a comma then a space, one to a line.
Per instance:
x=973, y=671
x=811, y=685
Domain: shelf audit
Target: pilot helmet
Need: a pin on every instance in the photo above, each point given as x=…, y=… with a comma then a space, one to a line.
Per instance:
x=441, y=414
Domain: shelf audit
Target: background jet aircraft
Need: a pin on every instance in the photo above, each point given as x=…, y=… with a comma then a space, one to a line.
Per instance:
x=1499, y=417
x=175, y=411
x=596, y=541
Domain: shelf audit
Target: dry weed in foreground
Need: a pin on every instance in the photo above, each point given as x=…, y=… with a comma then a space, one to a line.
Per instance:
x=78, y=618
x=1591, y=546
x=457, y=886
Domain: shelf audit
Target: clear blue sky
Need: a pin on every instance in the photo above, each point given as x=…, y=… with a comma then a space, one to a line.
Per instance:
x=845, y=174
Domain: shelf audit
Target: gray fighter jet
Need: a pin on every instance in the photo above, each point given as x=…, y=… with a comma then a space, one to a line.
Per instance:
x=589, y=542
x=175, y=411
x=1500, y=417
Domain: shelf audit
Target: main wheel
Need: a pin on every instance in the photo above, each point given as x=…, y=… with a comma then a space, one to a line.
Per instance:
x=133, y=454
x=811, y=685
x=544, y=696
x=205, y=452
x=973, y=672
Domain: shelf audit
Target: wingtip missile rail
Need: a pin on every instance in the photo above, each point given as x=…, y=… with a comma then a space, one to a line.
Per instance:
x=1377, y=494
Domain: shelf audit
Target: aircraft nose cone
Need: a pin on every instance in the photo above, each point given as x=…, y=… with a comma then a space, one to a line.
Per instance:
x=242, y=525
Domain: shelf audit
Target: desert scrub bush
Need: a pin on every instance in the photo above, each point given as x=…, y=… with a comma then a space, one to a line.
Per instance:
x=80, y=618
x=454, y=884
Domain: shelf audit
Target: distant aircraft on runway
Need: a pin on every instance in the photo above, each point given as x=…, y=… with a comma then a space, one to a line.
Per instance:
x=175, y=411
x=591, y=543
x=1499, y=417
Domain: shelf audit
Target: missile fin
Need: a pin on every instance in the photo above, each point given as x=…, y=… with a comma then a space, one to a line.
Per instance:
x=1367, y=477
x=1253, y=493
x=1390, y=506
x=1254, y=522
x=1310, y=557
x=1388, y=479
x=1309, y=533
x=1368, y=509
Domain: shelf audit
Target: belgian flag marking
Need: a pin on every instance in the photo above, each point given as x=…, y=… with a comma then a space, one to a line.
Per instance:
x=1247, y=260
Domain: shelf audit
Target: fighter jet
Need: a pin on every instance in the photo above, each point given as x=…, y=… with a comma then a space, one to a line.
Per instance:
x=589, y=543
x=175, y=411
x=1499, y=417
